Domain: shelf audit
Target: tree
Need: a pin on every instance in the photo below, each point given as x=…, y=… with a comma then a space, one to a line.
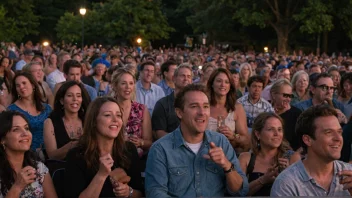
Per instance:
x=18, y=19
x=312, y=17
x=106, y=22
x=68, y=27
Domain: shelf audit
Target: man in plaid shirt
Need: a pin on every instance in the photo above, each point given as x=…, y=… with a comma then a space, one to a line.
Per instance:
x=253, y=103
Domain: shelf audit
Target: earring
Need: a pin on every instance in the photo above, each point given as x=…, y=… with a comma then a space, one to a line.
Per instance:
x=258, y=144
x=3, y=146
x=19, y=97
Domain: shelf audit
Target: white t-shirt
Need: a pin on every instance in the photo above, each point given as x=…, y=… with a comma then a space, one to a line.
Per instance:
x=55, y=77
x=194, y=147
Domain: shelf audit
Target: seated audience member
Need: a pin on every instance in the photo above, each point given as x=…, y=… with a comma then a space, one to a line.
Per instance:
x=57, y=75
x=245, y=73
x=314, y=68
x=206, y=71
x=345, y=91
x=282, y=73
x=5, y=92
x=36, y=69
x=253, y=103
x=236, y=81
x=300, y=83
x=73, y=72
x=64, y=126
x=270, y=154
x=164, y=118
x=21, y=174
x=281, y=94
x=192, y=161
x=227, y=116
x=322, y=89
x=101, y=152
x=27, y=100
x=147, y=92
x=100, y=66
x=320, y=174
x=138, y=129
x=167, y=71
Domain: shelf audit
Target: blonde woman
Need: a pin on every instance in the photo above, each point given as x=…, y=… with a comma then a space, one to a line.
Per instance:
x=245, y=73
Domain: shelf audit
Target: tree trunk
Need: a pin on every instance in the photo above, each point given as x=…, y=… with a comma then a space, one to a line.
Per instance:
x=282, y=38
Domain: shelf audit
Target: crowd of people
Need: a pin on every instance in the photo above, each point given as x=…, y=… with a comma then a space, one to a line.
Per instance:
x=130, y=122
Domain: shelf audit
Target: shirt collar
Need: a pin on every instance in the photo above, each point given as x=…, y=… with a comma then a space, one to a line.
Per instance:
x=180, y=141
x=306, y=177
x=259, y=101
x=140, y=86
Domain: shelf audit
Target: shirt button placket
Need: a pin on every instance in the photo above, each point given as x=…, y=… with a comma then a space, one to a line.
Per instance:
x=198, y=191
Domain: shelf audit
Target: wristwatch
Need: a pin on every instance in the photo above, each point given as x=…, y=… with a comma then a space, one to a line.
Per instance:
x=232, y=168
x=131, y=192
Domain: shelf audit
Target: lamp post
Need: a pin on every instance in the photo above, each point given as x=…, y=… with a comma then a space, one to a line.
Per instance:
x=82, y=11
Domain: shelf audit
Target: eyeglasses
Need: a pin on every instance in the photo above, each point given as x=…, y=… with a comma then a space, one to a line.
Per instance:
x=326, y=88
x=286, y=95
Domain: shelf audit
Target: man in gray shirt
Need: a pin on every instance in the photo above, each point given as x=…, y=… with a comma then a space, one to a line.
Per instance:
x=320, y=173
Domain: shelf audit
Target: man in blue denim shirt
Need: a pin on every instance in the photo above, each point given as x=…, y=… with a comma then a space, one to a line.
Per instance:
x=322, y=89
x=190, y=161
x=320, y=174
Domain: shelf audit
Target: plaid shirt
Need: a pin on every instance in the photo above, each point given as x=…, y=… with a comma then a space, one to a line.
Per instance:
x=253, y=110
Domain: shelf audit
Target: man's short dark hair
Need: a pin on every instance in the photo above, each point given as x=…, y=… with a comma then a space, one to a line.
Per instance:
x=180, y=97
x=71, y=64
x=165, y=67
x=305, y=123
x=255, y=78
x=147, y=63
x=316, y=78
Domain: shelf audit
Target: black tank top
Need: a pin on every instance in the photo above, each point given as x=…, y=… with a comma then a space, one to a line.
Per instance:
x=265, y=190
x=61, y=135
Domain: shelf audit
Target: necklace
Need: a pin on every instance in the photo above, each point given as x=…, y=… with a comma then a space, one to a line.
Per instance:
x=74, y=131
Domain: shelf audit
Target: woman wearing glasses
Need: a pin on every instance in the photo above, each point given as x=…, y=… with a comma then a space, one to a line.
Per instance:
x=281, y=95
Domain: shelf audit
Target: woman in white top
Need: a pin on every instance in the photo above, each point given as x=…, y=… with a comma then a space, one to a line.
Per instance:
x=222, y=94
x=21, y=175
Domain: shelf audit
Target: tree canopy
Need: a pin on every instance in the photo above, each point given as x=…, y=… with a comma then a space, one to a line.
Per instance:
x=117, y=19
x=314, y=16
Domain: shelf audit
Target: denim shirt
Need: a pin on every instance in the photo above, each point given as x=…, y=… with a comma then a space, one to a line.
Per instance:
x=168, y=90
x=295, y=181
x=304, y=105
x=174, y=170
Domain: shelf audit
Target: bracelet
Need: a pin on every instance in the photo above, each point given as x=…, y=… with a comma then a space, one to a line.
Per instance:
x=260, y=181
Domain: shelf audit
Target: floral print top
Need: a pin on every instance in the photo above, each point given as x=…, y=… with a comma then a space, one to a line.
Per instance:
x=134, y=123
x=35, y=189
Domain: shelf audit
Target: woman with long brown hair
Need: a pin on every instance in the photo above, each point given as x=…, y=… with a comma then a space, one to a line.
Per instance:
x=270, y=154
x=225, y=109
x=27, y=99
x=101, y=149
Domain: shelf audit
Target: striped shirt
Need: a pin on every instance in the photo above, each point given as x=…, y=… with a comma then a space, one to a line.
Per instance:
x=253, y=110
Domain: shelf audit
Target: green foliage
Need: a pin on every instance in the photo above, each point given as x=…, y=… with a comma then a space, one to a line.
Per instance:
x=117, y=19
x=316, y=17
x=69, y=27
x=18, y=19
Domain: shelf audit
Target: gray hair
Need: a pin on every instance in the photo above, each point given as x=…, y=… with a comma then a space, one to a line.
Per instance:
x=296, y=76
